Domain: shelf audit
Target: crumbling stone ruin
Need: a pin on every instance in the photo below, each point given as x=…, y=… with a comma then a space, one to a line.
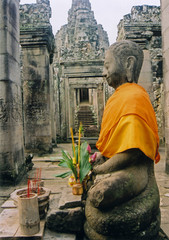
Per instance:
x=78, y=62
x=143, y=25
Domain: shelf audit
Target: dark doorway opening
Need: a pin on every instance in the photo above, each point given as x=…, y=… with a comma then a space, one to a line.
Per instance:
x=84, y=95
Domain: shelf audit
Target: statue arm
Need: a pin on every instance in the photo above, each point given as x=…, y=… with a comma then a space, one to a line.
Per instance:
x=118, y=161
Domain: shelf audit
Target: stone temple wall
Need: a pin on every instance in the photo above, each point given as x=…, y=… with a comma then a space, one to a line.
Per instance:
x=37, y=43
x=143, y=25
x=12, y=163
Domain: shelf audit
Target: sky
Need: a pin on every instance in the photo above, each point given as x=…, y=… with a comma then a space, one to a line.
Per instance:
x=106, y=12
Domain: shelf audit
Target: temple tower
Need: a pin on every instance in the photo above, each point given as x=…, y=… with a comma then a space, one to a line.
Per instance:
x=79, y=55
x=11, y=122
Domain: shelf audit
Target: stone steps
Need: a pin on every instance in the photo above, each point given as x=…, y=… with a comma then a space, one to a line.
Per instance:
x=85, y=116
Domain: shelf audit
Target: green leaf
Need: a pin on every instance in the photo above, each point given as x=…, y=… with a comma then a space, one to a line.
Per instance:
x=64, y=175
x=66, y=156
x=63, y=164
x=84, y=170
x=68, y=162
x=85, y=166
x=84, y=155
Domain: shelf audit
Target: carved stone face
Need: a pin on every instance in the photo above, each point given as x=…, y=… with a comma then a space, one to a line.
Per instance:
x=113, y=71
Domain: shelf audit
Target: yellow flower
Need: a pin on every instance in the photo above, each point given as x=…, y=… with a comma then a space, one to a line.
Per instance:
x=74, y=161
x=72, y=181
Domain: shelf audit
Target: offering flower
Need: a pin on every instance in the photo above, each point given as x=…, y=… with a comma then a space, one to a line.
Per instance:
x=89, y=149
x=79, y=164
x=72, y=181
x=93, y=158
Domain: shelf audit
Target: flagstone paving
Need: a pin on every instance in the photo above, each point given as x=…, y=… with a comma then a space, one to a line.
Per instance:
x=49, y=167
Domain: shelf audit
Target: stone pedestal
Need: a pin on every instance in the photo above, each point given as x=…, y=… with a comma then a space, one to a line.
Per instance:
x=66, y=216
x=11, y=124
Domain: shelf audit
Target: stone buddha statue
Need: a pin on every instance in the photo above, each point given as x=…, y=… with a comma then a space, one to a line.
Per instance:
x=123, y=200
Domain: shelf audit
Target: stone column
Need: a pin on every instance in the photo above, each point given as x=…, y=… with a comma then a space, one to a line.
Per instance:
x=63, y=107
x=145, y=78
x=101, y=104
x=11, y=124
x=165, y=37
x=37, y=40
x=36, y=94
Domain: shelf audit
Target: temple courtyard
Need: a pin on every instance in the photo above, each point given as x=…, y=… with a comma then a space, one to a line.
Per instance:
x=60, y=189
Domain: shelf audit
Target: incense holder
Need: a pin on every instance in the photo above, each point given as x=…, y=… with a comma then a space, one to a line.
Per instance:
x=29, y=214
x=43, y=198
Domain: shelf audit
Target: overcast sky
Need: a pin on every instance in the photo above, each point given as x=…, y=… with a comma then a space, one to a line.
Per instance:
x=107, y=12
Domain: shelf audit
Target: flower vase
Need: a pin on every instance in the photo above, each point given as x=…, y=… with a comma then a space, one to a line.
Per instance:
x=77, y=189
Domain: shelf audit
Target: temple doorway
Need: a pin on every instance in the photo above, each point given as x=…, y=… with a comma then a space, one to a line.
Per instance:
x=84, y=95
x=85, y=113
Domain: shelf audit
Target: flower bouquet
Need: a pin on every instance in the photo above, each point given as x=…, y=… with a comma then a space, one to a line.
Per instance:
x=79, y=164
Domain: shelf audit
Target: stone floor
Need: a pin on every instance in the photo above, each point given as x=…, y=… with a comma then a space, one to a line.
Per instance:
x=49, y=167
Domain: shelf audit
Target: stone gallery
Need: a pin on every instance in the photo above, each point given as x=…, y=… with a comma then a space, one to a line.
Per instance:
x=51, y=84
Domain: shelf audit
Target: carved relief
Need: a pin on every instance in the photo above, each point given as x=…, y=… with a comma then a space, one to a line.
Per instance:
x=37, y=112
x=11, y=109
x=4, y=113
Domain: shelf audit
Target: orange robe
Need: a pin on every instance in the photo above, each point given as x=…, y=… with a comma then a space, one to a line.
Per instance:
x=129, y=121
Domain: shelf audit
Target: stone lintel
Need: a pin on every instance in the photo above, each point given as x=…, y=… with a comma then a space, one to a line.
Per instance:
x=85, y=83
x=83, y=63
x=83, y=75
x=142, y=41
x=142, y=29
x=83, y=69
x=143, y=25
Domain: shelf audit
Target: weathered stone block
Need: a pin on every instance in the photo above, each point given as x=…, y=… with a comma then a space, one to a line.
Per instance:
x=66, y=221
x=9, y=44
x=68, y=200
x=11, y=73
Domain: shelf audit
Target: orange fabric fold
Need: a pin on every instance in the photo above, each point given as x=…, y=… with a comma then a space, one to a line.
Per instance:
x=129, y=121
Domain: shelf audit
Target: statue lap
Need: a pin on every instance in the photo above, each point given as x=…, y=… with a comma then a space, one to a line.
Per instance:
x=124, y=204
